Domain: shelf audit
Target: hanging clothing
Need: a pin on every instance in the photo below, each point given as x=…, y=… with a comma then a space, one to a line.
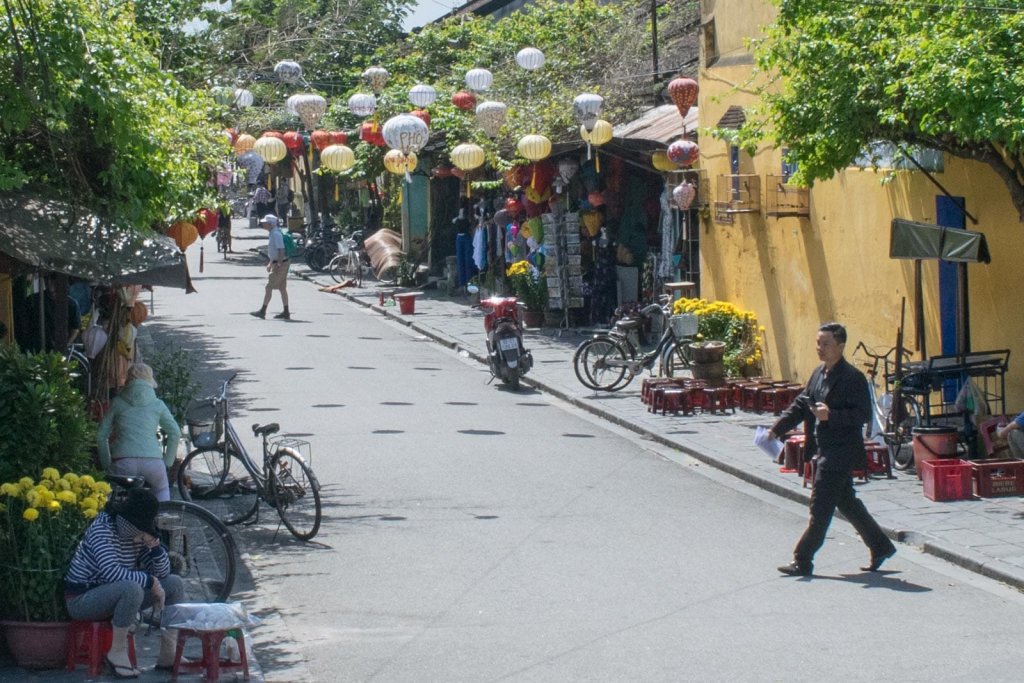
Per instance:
x=480, y=247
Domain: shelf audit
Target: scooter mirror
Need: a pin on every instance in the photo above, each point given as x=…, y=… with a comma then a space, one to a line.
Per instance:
x=472, y=289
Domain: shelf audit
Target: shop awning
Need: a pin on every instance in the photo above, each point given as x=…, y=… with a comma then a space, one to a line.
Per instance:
x=50, y=235
x=914, y=240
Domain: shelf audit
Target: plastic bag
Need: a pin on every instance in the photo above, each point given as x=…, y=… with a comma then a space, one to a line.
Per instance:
x=207, y=616
x=95, y=337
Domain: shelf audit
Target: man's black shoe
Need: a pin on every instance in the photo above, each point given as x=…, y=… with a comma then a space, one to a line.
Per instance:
x=259, y=314
x=796, y=569
x=283, y=315
x=878, y=558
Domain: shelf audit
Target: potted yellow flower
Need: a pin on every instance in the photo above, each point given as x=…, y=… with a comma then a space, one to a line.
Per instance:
x=40, y=526
x=733, y=333
x=530, y=288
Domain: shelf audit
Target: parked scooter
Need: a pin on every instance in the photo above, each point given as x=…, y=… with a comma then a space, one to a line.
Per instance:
x=507, y=357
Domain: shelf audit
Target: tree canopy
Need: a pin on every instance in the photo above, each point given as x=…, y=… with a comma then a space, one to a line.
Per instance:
x=947, y=76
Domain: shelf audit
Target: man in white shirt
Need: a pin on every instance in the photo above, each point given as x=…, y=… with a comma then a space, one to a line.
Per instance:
x=277, y=267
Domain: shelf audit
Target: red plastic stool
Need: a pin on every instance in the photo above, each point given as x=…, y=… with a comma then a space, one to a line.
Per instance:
x=649, y=384
x=793, y=455
x=89, y=642
x=878, y=458
x=211, y=662
x=718, y=399
x=676, y=400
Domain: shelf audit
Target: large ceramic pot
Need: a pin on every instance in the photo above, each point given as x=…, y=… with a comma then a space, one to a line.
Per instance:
x=37, y=645
x=707, y=352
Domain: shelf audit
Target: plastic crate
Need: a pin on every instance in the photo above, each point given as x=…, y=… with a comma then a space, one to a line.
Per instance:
x=947, y=479
x=993, y=478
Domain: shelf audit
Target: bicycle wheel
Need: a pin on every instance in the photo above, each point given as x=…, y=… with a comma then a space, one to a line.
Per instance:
x=336, y=268
x=202, y=473
x=294, y=490
x=677, y=358
x=201, y=549
x=387, y=275
x=233, y=499
x=352, y=268
x=317, y=256
x=901, y=447
x=591, y=364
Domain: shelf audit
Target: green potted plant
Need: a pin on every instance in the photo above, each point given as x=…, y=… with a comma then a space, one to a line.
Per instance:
x=531, y=289
x=174, y=372
x=40, y=525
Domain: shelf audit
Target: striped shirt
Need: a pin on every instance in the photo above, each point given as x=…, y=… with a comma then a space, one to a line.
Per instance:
x=103, y=557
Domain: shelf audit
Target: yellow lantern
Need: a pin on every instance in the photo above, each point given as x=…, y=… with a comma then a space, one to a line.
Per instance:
x=601, y=134
x=661, y=162
x=271, y=149
x=534, y=147
x=337, y=158
x=468, y=156
x=244, y=143
x=399, y=163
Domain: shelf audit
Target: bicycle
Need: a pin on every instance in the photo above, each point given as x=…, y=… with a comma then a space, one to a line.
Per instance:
x=347, y=265
x=321, y=245
x=200, y=547
x=609, y=361
x=283, y=480
x=897, y=434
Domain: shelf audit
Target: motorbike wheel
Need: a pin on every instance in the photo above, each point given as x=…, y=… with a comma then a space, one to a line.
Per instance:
x=512, y=381
x=592, y=370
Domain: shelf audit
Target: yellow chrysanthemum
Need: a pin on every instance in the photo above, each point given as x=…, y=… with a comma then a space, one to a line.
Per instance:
x=32, y=498
x=62, y=485
x=53, y=506
x=10, y=490
x=71, y=478
x=89, y=503
x=87, y=480
x=51, y=474
x=102, y=487
x=46, y=497
x=30, y=514
x=26, y=483
x=67, y=497
x=89, y=514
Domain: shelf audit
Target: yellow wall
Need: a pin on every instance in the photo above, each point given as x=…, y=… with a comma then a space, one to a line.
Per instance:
x=796, y=273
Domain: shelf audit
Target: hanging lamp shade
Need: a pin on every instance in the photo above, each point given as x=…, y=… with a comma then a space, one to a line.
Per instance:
x=683, y=152
x=683, y=195
x=206, y=222
x=587, y=109
x=464, y=100
x=405, y=133
x=337, y=158
x=468, y=156
x=289, y=105
x=490, y=116
x=683, y=92
x=479, y=80
x=661, y=162
x=310, y=108
x=272, y=149
x=243, y=98
x=530, y=58
x=288, y=71
x=370, y=132
x=534, y=147
x=598, y=135
x=362, y=104
x=376, y=77
x=422, y=114
x=422, y=95
x=399, y=163
x=321, y=139
x=339, y=137
x=244, y=143
x=183, y=233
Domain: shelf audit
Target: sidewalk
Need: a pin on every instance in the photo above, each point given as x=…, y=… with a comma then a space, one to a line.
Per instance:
x=982, y=535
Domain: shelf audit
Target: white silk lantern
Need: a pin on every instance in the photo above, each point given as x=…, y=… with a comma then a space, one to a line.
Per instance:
x=271, y=149
x=309, y=107
x=478, y=80
x=422, y=95
x=377, y=77
x=490, y=116
x=587, y=109
x=288, y=71
x=337, y=158
x=362, y=104
x=406, y=133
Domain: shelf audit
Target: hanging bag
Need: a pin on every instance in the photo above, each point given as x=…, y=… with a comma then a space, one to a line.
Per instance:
x=95, y=337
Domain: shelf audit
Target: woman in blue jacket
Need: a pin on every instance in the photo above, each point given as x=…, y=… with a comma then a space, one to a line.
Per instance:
x=131, y=423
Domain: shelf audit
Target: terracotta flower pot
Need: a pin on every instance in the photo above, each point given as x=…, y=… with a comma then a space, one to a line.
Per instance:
x=37, y=645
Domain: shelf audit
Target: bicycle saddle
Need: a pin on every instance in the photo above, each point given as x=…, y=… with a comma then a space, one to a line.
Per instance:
x=271, y=428
x=126, y=482
x=627, y=324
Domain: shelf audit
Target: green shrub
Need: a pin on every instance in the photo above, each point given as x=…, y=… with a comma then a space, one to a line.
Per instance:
x=173, y=370
x=43, y=417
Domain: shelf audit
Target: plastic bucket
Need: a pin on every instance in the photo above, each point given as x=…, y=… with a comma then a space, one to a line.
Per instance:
x=406, y=303
x=933, y=443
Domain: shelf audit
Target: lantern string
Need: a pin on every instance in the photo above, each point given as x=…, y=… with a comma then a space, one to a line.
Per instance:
x=533, y=178
x=201, y=255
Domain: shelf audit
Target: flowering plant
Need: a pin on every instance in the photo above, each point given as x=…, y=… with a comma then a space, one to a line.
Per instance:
x=722, y=321
x=526, y=282
x=40, y=526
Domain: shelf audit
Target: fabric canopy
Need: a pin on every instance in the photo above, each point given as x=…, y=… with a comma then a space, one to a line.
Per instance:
x=913, y=240
x=53, y=236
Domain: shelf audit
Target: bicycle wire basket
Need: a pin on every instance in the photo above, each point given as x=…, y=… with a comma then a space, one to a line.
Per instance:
x=303, y=448
x=684, y=324
x=205, y=425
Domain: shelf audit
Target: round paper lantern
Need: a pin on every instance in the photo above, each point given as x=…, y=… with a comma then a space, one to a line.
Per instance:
x=683, y=92
x=464, y=100
x=369, y=132
x=321, y=139
x=138, y=314
x=530, y=58
x=337, y=158
x=362, y=104
x=405, y=133
x=288, y=71
x=599, y=135
x=272, y=149
x=422, y=95
x=310, y=108
x=490, y=116
x=683, y=152
x=683, y=195
x=206, y=222
x=399, y=162
x=252, y=163
x=478, y=80
x=339, y=137
x=661, y=162
x=244, y=143
x=422, y=114
x=183, y=233
x=274, y=134
x=293, y=141
x=377, y=77
x=223, y=96
x=243, y=98
x=289, y=105
x=468, y=156
x=534, y=147
x=587, y=108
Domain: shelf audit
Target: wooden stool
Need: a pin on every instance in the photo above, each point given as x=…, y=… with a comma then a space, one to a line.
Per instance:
x=878, y=458
x=677, y=289
x=717, y=399
x=675, y=400
x=648, y=385
x=89, y=642
x=211, y=662
x=793, y=455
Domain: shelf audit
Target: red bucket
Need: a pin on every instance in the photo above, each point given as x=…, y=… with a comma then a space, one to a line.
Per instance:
x=933, y=443
x=406, y=303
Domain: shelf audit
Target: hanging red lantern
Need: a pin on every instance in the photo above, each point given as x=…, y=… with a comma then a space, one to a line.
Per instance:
x=370, y=132
x=464, y=100
x=683, y=152
x=293, y=141
x=183, y=233
x=422, y=114
x=274, y=134
x=683, y=92
x=320, y=139
x=206, y=222
x=339, y=137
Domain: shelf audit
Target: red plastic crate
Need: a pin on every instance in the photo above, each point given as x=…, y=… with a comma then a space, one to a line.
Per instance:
x=994, y=478
x=947, y=479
